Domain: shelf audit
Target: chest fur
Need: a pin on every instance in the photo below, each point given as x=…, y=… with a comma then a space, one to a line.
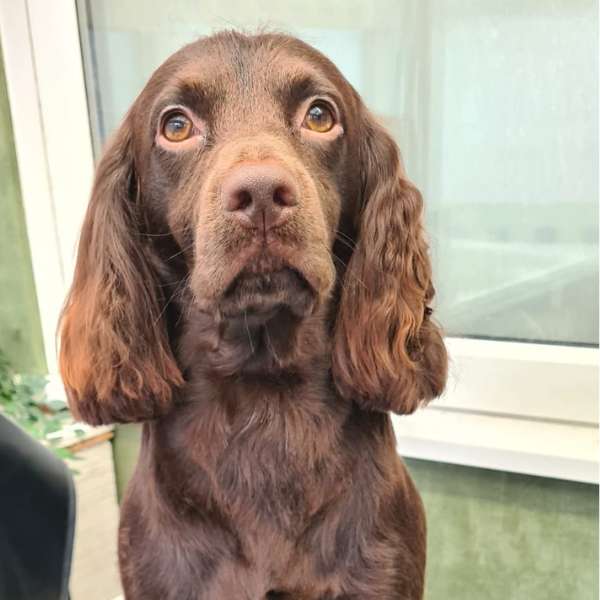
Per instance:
x=271, y=457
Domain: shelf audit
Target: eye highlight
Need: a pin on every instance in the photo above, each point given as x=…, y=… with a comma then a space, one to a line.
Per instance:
x=319, y=118
x=176, y=126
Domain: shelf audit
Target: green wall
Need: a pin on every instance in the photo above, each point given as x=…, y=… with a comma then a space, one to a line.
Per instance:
x=492, y=535
x=502, y=536
x=20, y=328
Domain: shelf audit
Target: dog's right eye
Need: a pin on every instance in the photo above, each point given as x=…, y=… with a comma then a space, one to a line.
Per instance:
x=319, y=118
x=177, y=127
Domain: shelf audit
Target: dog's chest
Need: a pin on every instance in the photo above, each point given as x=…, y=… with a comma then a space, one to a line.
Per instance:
x=277, y=470
x=271, y=495
x=271, y=461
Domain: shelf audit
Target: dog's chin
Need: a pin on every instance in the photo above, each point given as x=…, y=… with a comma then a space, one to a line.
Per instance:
x=258, y=320
x=258, y=296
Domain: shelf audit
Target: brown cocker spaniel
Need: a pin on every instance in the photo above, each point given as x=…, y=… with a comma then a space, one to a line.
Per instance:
x=253, y=283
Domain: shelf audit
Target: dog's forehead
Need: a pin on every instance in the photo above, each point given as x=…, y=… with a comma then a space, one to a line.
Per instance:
x=246, y=58
x=235, y=71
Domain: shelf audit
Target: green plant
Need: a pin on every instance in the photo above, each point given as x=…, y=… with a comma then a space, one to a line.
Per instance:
x=23, y=399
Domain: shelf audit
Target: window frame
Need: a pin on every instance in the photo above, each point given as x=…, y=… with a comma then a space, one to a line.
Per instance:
x=512, y=406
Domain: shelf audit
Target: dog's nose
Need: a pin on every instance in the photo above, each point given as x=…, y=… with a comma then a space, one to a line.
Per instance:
x=261, y=195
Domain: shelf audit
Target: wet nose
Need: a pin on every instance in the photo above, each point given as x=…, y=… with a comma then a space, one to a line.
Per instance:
x=261, y=195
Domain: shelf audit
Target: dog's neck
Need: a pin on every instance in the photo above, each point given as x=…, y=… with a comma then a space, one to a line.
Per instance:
x=256, y=440
x=235, y=421
x=256, y=348
x=254, y=371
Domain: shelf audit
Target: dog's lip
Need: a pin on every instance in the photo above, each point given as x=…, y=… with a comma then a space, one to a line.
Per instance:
x=213, y=289
x=262, y=294
x=263, y=278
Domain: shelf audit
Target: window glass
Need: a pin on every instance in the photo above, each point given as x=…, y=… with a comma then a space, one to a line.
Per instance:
x=494, y=106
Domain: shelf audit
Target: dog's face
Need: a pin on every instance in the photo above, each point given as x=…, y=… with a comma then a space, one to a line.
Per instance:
x=244, y=153
x=245, y=182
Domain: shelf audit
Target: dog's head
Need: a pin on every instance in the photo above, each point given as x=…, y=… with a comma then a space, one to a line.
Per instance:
x=251, y=199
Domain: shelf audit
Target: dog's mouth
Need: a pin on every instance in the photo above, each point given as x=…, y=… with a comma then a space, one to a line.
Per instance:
x=259, y=293
x=260, y=314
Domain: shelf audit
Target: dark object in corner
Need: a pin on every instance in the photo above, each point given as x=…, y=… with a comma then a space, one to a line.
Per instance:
x=37, y=518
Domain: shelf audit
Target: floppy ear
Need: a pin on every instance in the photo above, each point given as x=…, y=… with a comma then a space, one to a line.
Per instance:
x=115, y=358
x=388, y=354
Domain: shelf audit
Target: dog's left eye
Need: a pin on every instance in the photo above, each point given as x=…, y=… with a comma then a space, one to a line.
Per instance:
x=319, y=118
x=177, y=127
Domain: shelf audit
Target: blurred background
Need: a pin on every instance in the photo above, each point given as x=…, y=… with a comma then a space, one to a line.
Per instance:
x=495, y=108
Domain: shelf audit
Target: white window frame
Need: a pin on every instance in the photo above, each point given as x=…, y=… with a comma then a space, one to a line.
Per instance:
x=519, y=407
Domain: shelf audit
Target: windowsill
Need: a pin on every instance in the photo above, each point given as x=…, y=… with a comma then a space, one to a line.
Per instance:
x=533, y=447
x=504, y=443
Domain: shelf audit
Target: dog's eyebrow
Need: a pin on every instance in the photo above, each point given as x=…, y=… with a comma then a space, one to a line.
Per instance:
x=194, y=93
x=297, y=87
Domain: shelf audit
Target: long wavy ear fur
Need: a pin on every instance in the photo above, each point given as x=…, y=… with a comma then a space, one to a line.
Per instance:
x=115, y=358
x=388, y=353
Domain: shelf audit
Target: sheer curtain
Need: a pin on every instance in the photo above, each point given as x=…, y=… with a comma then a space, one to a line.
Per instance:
x=494, y=105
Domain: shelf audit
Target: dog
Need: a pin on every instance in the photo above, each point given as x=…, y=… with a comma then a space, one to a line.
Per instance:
x=253, y=284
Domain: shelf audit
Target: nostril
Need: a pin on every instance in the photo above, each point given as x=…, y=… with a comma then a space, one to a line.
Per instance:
x=283, y=196
x=242, y=199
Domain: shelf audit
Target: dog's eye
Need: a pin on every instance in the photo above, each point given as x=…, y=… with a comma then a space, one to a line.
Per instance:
x=177, y=127
x=319, y=118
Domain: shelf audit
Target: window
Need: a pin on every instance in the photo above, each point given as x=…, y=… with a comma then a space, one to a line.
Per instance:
x=503, y=141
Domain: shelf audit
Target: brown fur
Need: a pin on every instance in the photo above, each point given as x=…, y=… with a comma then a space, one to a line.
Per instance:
x=263, y=363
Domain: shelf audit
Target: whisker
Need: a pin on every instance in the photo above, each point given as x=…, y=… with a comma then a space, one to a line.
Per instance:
x=186, y=312
x=345, y=237
x=189, y=247
x=347, y=273
x=248, y=330
x=340, y=260
x=271, y=347
x=178, y=289
x=343, y=241
x=154, y=234
x=169, y=233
